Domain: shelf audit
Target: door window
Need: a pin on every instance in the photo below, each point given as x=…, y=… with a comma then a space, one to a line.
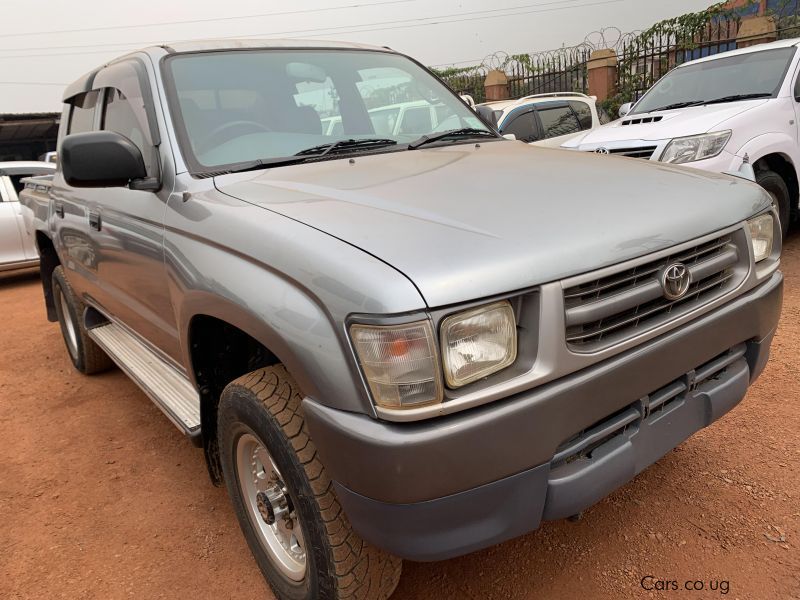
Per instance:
x=124, y=110
x=81, y=118
x=523, y=126
x=558, y=121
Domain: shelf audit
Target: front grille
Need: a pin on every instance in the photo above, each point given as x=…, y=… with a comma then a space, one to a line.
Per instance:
x=615, y=307
x=648, y=409
x=645, y=152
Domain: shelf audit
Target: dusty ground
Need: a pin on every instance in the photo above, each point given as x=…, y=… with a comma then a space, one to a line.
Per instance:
x=100, y=497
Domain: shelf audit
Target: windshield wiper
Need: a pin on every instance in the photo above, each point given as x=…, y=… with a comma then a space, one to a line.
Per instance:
x=735, y=97
x=259, y=163
x=323, y=149
x=465, y=132
x=678, y=105
x=312, y=153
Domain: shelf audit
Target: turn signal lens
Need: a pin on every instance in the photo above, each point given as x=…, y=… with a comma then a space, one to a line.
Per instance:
x=399, y=363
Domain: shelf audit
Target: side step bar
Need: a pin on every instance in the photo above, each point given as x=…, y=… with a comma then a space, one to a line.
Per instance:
x=170, y=390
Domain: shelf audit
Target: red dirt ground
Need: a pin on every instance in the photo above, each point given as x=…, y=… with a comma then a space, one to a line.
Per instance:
x=101, y=497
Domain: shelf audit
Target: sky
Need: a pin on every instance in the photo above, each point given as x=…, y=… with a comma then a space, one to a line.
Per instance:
x=46, y=44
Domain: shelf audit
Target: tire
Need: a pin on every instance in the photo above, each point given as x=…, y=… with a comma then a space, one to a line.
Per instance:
x=85, y=354
x=777, y=188
x=263, y=408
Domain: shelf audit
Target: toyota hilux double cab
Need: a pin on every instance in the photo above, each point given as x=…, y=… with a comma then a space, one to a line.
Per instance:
x=398, y=345
x=717, y=113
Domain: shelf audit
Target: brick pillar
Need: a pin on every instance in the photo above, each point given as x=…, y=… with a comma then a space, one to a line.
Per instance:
x=603, y=74
x=496, y=86
x=756, y=30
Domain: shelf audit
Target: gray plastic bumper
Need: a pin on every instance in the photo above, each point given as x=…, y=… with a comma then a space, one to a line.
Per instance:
x=692, y=377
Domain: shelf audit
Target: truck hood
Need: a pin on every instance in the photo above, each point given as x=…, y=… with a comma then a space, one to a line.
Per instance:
x=464, y=222
x=665, y=125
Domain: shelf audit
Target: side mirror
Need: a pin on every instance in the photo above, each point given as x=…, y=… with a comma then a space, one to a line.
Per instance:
x=510, y=136
x=100, y=159
x=625, y=109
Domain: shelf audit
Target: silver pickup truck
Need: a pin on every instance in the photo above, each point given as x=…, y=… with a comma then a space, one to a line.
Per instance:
x=412, y=345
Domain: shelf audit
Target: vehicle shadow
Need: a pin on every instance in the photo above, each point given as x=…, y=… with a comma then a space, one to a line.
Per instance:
x=14, y=279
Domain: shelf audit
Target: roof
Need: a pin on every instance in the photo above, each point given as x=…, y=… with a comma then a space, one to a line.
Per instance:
x=505, y=104
x=241, y=44
x=748, y=50
x=84, y=82
x=21, y=128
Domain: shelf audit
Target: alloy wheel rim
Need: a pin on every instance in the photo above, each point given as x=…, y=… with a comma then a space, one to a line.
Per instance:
x=270, y=508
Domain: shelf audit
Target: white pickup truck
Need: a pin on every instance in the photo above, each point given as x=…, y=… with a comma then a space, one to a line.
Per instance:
x=716, y=114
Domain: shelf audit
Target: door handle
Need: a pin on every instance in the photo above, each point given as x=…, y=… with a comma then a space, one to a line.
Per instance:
x=59, y=210
x=94, y=220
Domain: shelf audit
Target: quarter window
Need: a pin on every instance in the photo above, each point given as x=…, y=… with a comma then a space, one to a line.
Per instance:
x=81, y=118
x=583, y=112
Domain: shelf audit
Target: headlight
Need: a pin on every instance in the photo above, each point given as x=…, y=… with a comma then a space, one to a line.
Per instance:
x=478, y=342
x=695, y=147
x=762, y=232
x=400, y=363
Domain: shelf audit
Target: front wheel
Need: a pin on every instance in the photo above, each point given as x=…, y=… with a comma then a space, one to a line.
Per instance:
x=779, y=192
x=284, y=500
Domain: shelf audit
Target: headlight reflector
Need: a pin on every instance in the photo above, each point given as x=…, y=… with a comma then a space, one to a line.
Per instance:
x=695, y=147
x=478, y=342
x=762, y=232
x=399, y=363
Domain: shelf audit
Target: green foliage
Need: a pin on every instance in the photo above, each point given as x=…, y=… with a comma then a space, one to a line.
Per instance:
x=682, y=33
x=786, y=18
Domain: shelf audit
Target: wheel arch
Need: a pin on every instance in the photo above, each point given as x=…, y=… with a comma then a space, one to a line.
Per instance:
x=48, y=261
x=224, y=340
x=783, y=165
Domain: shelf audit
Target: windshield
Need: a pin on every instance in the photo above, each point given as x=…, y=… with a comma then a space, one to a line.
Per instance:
x=744, y=74
x=234, y=107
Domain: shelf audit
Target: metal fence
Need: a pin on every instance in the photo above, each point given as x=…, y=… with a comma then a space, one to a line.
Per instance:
x=469, y=82
x=642, y=62
x=563, y=70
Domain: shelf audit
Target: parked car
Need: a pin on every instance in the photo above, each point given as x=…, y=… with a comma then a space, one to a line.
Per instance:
x=543, y=119
x=49, y=157
x=17, y=244
x=715, y=113
x=416, y=117
x=383, y=356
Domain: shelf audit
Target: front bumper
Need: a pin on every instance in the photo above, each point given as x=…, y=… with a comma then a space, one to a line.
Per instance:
x=448, y=486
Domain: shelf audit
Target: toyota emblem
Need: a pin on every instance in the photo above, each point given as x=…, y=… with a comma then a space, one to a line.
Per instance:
x=602, y=151
x=675, y=281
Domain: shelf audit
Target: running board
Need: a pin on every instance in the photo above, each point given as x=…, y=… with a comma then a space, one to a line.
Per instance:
x=171, y=391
